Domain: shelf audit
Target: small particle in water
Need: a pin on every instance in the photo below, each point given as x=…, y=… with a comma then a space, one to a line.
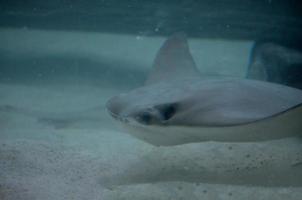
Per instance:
x=230, y=147
x=230, y=194
x=204, y=191
x=179, y=187
x=248, y=155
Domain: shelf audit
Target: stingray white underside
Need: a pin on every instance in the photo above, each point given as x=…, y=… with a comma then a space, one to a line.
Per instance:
x=283, y=125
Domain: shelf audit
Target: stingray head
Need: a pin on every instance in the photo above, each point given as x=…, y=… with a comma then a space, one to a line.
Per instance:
x=161, y=111
x=148, y=113
x=154, y=114
x=145, y=106
x=158, y=101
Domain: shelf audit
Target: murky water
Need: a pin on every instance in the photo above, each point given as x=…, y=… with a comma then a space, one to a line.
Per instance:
x=57, y=140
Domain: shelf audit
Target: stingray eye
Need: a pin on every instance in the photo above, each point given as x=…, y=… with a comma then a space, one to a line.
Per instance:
x=167, y=110
x=144, y=118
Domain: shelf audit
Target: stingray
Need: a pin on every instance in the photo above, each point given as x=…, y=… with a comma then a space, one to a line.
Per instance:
x=176, y=105
x=278, y=62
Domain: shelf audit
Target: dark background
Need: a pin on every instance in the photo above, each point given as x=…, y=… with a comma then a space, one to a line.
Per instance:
x=238, y=19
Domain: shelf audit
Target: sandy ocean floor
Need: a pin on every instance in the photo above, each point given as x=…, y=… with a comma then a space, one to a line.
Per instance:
x=58, y=142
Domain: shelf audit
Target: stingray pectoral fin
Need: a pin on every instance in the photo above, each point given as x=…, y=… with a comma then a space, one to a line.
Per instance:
x=282, y=125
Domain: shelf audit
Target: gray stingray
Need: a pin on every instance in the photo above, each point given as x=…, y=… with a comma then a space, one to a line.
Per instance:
x=276, y=62
x=177, y=106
